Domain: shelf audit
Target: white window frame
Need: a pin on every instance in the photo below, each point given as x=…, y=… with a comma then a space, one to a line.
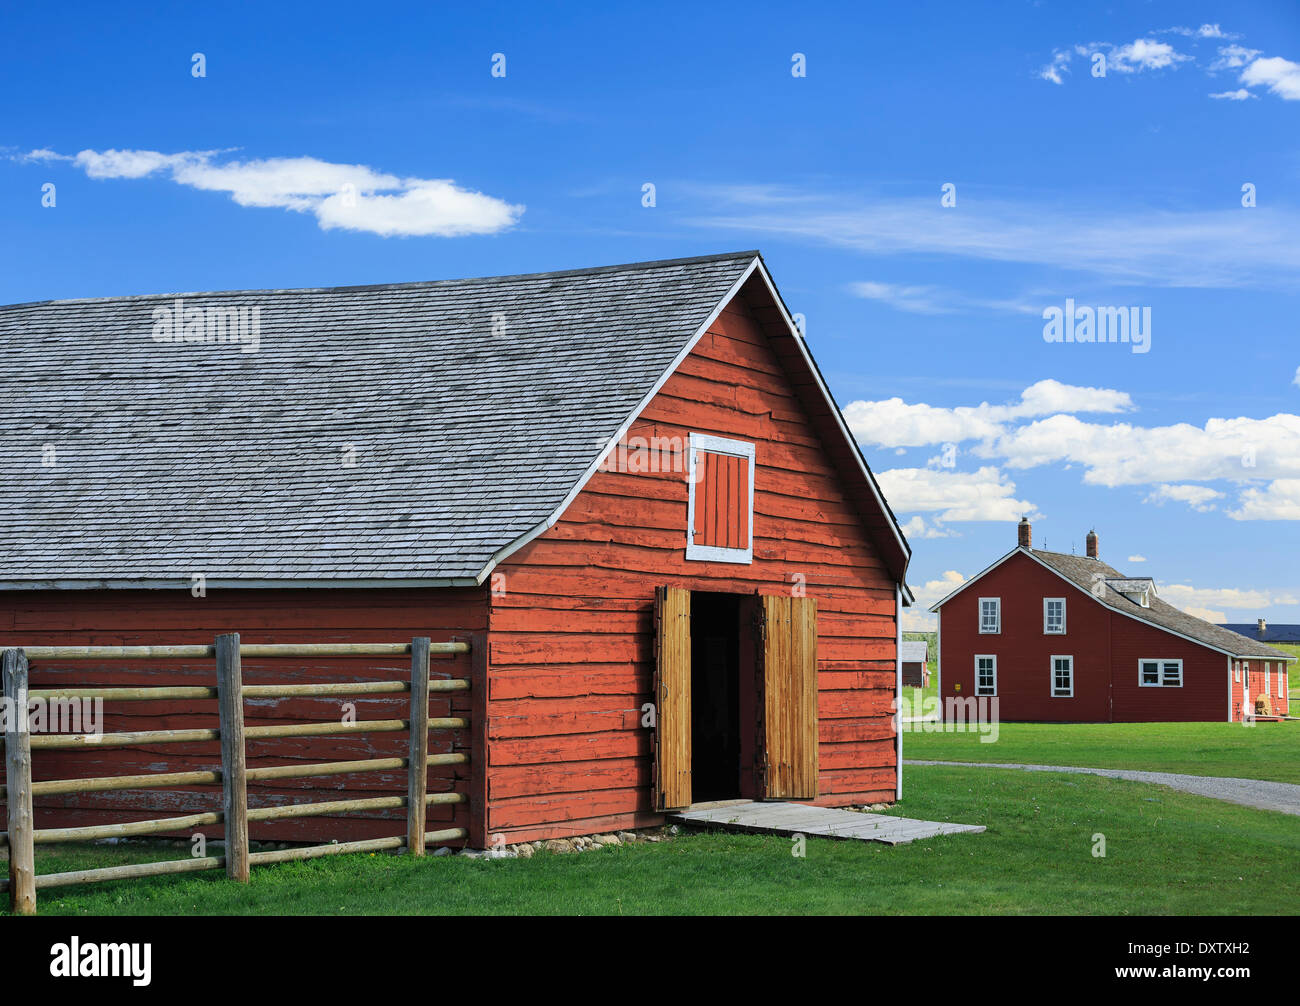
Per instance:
x=1161, y=663
x=997, y=629
x=734, y=448
x=986, y=656
x=1047, y=629
x=1236, y=670
x=1052, y=678
x=1268, y=677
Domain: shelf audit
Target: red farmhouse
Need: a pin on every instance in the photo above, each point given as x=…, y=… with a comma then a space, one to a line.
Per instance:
x=631, y=483
x=1069, y=638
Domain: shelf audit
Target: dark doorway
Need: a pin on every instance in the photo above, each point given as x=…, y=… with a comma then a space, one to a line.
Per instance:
x=716, y=741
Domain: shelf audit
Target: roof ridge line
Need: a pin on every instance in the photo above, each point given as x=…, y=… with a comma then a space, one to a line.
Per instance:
x=409, y=285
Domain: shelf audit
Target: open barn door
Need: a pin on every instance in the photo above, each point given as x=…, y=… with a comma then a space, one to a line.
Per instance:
x=788, y=652
x=672, y=697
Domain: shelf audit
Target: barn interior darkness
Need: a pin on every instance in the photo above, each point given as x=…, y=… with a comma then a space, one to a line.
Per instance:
x=715, y=696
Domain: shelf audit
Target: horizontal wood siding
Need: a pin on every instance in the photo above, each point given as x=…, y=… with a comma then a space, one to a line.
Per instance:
x=572, y=632
x=123, y=617
x=1024, y=652
x=1106, y=647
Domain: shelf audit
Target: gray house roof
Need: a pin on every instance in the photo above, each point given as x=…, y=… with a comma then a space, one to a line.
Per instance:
x=913, y=651
x=1100, y=580
x=163, y=460
x=402, y=434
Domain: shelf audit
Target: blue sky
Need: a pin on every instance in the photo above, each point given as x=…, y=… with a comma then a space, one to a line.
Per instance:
x=333, y=144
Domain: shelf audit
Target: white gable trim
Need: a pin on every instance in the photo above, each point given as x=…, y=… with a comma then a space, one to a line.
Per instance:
x=755, y=266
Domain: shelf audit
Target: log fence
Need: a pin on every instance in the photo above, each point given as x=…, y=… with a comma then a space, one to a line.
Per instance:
x=233, y=776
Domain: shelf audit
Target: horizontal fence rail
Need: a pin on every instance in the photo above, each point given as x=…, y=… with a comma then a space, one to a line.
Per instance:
x=233, y=776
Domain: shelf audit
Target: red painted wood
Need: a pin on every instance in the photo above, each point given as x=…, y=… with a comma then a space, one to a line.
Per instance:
x=1106, y=646
x=571, y=638
x=156, y=617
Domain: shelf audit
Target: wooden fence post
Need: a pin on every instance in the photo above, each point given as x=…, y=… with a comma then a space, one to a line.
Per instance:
x=18, y=780
x=478, y=732
x=417, y=776
x=234, y=779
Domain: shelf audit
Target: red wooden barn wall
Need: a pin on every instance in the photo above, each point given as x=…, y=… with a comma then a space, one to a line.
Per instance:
x=1106, y=647
x=158, y=617
x=571, y=637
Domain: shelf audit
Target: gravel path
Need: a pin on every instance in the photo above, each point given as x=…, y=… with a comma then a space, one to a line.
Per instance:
x=1281, y=796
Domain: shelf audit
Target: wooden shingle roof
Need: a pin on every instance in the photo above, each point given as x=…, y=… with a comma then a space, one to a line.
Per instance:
x=386, y=434
x=1101, y=580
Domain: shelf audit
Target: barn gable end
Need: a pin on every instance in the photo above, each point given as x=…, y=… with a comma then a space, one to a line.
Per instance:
x=571, y=620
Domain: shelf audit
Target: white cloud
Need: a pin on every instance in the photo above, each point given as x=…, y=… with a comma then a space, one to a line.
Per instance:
x=1280, y=76
x=1209, y=614
x=916, y=299
x=347, y=196
x=892, y=422
x=1187, y=248
x=1239, y=449
x=1260, y=458
x=1280, y=500
x=984, y=494
x=918, y=528
x=1144, y=54
x=1185, y=596
x=1199, y=498
x=1137, y=558
x=1240, y=94
x=1059, y=65
x=1204, y=31
x=1233, y=57
x=917, y=619
x=937, y=300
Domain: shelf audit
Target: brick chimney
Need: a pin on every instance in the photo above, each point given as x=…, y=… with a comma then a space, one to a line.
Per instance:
x=1092, y=544
x=1024, y=533
x=1263, y=627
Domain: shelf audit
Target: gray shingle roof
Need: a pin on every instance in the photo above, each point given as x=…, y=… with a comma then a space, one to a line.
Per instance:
x=913, y=651
x=1083, y=571
x=183, y=458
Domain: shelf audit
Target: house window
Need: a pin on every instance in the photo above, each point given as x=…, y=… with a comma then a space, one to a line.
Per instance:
x=1160, y=673
x=1236, y=670
x=1062, y=677
x=990, y=615
x=986, y=675
x=720, y=509
x=1268, y=678
x=1054, y=616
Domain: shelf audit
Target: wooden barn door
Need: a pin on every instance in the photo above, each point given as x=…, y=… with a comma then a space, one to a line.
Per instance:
x=672, y=697
x=788, y=673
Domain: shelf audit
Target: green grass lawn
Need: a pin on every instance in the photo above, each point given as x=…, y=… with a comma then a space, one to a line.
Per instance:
x=1166, y=853
x=1268, y=751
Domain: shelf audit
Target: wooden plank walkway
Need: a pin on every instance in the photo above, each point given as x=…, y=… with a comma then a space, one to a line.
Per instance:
x=828, y=822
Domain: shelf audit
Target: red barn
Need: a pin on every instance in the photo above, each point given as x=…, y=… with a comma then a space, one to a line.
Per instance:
x=1069, y=638
x=632, y=481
